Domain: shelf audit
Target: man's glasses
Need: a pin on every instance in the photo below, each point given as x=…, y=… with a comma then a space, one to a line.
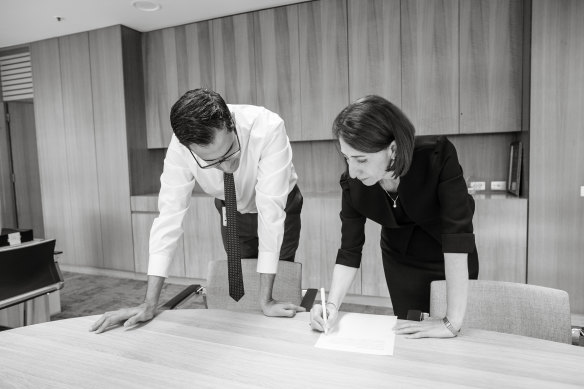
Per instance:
x=229, y=156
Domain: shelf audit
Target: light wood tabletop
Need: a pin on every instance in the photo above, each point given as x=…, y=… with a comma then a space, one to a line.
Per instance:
x=221, y=349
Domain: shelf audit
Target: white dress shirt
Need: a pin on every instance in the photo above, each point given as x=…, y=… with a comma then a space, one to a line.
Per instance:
x=263, y=181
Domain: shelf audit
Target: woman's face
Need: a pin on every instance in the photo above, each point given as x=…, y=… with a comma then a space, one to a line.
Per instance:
x=369, y=168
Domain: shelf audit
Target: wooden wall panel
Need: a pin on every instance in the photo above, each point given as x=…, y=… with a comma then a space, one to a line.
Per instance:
x=319, y=166
x=80, y=148
x=200, y=71
x=233, y=42
x=556, y=206
x=429, y=36
x=145, y=165
x=323, y=65
x=490, y=65
x=277, y=65
x=51, y=141
x=111, y=148
x=161, y=80
x=375, y=49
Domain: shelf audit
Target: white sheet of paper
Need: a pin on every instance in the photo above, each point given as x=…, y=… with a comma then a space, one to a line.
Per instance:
x=361, y=333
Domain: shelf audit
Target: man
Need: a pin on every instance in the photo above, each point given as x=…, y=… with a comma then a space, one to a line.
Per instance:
x=212, y=139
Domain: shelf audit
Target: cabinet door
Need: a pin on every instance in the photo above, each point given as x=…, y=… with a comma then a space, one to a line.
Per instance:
x=161, y=84
x=491, y=65
x=500, y=227
x=556, y=202
x=233, y=43
x=375, y=49
x=80, y=149
x=429, y=32
x=277, y=66
x=323, y=65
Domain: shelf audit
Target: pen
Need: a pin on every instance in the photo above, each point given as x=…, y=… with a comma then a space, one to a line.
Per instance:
x=323, y=301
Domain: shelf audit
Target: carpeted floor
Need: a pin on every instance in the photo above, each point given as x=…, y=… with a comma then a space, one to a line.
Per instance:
x=85, y=295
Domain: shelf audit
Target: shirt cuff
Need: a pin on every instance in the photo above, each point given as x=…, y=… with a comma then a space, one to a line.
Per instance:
x=458, y=243
x=268, y=262
x=158, y=265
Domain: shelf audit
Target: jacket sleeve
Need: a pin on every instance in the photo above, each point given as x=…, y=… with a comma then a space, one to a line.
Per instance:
x=352, y=230
x=456, y=205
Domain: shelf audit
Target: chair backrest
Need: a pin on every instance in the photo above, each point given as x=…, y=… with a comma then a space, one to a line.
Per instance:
x=287, y=285
x=28, y=271
x=514, y=308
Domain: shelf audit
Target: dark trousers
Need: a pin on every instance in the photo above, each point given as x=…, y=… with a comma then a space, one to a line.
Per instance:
x=247, y=225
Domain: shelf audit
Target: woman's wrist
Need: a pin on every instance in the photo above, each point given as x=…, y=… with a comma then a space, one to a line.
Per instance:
x=450, y=327
x=333, y=304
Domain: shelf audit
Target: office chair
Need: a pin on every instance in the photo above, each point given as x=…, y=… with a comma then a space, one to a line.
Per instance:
x=287, y=287
x=513, y=308
x=28, y=271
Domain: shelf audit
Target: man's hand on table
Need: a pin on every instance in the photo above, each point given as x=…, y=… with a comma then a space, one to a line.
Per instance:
x=276, y=308
x=130, y=317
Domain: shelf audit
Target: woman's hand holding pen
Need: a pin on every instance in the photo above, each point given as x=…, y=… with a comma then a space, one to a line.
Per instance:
x=317, y=320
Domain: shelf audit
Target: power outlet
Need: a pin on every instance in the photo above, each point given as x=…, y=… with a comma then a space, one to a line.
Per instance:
x=498, y=185
x=582, y=191
x=477, y=185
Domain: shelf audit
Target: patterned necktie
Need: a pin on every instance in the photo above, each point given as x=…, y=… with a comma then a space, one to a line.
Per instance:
x=233, y=250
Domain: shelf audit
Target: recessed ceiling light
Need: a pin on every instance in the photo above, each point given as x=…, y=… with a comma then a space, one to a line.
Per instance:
x=145, y=5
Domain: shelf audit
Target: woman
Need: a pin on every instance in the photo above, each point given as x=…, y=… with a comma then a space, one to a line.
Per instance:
x=415, y=189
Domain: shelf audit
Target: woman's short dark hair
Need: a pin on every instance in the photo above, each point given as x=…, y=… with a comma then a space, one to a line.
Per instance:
x=196, y=116
x=371, y=123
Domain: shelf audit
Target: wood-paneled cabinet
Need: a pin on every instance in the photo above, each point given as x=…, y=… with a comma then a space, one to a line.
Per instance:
x=556, y=198
x=491, y=65
x=429, y=36
x=375, y=49
x=82, y=110
x=161, y=84
x=277, y=65
x=462, y=65
x=324, y=88
x=176, y=59
x=233, y=42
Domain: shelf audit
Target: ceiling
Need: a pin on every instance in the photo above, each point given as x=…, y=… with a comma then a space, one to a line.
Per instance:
x=24, y=21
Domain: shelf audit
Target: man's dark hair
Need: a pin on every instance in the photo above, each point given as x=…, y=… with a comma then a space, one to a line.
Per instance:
x=371, y=123
x=197, y=115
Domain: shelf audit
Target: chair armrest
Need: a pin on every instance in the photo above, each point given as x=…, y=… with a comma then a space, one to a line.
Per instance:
x=308, y=299
x=180, y=297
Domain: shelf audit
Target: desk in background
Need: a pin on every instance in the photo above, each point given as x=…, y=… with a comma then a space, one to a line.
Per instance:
x=223, y=349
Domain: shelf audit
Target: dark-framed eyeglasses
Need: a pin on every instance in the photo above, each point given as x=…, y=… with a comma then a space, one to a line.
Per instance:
x=203, y=164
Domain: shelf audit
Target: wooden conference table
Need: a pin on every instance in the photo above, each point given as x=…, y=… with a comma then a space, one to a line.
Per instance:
x=220, y=349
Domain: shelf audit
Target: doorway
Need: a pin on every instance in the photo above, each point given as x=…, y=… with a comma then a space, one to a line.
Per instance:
x=28, y=209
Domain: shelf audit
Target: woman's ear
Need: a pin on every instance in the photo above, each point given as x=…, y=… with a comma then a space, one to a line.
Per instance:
x=392, y=150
